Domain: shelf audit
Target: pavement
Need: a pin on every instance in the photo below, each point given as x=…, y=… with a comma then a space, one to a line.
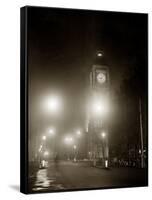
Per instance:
x=68, y=175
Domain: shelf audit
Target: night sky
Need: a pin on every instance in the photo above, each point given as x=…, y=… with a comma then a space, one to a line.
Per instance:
x=62, y=45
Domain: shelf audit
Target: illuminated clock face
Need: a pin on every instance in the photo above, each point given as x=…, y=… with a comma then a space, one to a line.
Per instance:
x=101, y=77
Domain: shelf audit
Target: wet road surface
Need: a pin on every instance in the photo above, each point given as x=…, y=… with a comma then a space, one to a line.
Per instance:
x=69, y=175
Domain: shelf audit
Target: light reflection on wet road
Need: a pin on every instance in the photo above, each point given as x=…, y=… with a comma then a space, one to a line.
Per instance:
x=43, y=182
x=69, y=175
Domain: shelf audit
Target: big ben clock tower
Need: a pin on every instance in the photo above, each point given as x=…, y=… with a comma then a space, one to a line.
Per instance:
x=98, y=148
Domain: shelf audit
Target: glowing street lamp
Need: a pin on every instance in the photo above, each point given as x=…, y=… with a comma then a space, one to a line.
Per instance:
x=52, y=131
x=69, y=140
x=100, y=107
x=78, y=132
x=46, y=153
x=103, y=135
x=74, y=147
x=44, y=137
x=53, y=104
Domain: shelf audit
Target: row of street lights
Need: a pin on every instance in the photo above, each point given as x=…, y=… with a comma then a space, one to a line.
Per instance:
x=71, y=142
x=42, y=149
x=51, y=133
x=53, y=105
x=68, y=140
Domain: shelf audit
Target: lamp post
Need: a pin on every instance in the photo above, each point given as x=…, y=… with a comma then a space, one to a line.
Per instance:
x=75, y=148
x=53, y=106
x=44, y=141
x=43, y=137
x=105, y=148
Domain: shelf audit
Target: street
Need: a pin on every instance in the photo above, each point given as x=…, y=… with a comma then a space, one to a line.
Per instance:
x=67, y=175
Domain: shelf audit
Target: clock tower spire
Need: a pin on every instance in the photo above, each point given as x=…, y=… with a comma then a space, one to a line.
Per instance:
x=98, y=147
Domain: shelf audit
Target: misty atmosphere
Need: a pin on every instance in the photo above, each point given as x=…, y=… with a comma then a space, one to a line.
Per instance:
x=87, y=99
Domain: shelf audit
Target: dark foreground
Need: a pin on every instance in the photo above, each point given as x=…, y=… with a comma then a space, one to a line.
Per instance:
x=68, y=175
